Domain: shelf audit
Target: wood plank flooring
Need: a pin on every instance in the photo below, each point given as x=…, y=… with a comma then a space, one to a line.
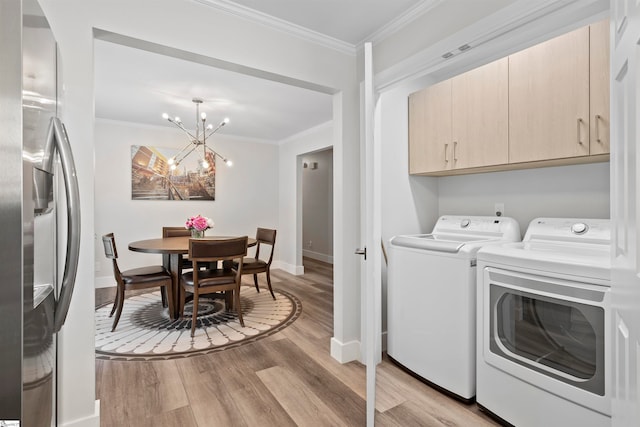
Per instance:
x=286, y=379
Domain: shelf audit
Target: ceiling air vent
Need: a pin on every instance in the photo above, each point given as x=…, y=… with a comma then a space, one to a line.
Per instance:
x=447, y=55
x=464, y=47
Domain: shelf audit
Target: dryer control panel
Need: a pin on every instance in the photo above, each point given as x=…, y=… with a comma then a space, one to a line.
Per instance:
x=585, y=230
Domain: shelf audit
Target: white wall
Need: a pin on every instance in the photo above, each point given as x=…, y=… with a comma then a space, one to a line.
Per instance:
x=317, y=205
x=579, y=191
x=290, y=182
x=245, y=193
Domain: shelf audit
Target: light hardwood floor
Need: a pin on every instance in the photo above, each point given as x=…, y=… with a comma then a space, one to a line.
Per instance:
x=286, y=379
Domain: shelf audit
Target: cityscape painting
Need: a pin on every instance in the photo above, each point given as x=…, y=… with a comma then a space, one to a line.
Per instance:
x=153, y=179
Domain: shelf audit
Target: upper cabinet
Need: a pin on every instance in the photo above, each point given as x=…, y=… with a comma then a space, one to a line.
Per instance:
x=480, y=116
x=461, y=122
x=546, y=105
x=430, y=129
x=549, y=99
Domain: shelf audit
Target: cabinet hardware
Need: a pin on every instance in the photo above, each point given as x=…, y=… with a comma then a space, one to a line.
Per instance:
x=446, y=147
x=455, y=144
x=579, y=123
x=598, y=118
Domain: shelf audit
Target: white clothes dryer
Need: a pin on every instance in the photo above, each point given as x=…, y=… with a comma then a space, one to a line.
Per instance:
x=431, y=299
x=544, y=325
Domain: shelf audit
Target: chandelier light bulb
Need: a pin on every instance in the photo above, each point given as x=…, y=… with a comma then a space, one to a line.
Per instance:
x=173, y=167
x=165, y=116
x=177, y=120
x=205, y=164
x=228, y=162
x=210, y=126
x=171, y=160
x=203, y=116
x=225, y=121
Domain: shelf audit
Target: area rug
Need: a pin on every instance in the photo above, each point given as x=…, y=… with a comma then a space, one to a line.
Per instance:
x=146, y=332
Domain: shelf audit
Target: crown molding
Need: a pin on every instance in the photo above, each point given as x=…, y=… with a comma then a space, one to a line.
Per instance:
x=269, y=21
x=513, y=28
x=401, y=21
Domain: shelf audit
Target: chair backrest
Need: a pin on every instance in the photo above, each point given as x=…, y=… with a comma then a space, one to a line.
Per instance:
x=109, y=243
x=110, y=251
x=208, y=250
x=175, y=232
x=265, y=236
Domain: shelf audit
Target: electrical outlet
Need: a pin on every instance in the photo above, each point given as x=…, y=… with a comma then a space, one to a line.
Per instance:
x=310, y=244
x=499, y=209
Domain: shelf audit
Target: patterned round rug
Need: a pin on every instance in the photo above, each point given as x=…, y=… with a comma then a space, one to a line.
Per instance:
x=145, y=330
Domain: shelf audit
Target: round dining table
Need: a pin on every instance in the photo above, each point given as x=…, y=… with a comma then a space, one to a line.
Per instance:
x=173, y=249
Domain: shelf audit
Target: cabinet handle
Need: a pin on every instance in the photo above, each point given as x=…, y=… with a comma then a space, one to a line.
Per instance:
x=579, y=139
x=446, y=147
x=598, y=118
x=455, y=144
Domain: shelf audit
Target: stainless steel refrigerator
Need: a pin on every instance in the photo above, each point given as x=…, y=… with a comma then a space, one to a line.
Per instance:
x=39, y=216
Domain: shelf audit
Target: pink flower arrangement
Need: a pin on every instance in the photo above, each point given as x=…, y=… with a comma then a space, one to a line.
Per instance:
x=199, y=223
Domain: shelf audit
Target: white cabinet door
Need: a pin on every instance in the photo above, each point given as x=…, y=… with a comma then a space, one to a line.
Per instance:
x=625, y=215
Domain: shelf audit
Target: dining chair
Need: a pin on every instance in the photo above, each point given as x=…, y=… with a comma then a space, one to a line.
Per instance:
x=254, y=265
x=138, y=278
x=177, y=232
x=207, y=281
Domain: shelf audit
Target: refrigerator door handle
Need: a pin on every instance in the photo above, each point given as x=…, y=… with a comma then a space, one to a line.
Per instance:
x=57, y=136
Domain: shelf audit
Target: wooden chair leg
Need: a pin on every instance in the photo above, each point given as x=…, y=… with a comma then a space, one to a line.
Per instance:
x=236, y=303
x=168, y=293
x=182, y=297
x=255, y=282
x=115, y=301
x=269, y=283
x=194, y=318
x=120, y=299
x=163, y=294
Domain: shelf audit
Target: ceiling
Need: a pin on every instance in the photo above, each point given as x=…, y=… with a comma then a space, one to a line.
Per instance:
x=138, y=86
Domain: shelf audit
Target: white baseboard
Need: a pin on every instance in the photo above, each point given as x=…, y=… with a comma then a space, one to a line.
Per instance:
x=345, y=352
x=296, y=270
x=104, y=282
x=92, y=420
x=318, y=256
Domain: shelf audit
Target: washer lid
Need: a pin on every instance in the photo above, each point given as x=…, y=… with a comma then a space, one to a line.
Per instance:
x=450, y=243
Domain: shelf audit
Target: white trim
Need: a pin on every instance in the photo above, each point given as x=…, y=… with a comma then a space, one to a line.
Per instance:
x=317, y=256
x=308, y=132
x=281, y=25
x=512, y=28
x=397, y=24
x=230, y=137
x=92, y=420
x=345, y=352
x=296, y=270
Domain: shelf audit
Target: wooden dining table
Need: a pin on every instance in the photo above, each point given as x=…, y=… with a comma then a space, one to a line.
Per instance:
x=173, y=249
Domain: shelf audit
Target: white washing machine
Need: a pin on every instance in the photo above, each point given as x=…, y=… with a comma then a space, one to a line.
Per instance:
x=431, y=299
x=544, y=325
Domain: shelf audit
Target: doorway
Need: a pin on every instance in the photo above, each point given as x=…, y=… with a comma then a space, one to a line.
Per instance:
x=317, y=206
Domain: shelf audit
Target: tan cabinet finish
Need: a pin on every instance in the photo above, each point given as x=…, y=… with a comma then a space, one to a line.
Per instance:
x=549, y=99
x=430, y=129
x=599, y=84
x=480, y=111
x=544, y=106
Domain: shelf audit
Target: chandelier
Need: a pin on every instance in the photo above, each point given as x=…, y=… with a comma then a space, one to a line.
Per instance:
x=198, y=138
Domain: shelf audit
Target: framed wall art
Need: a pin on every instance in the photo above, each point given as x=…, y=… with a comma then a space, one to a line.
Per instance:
x=153, y=179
